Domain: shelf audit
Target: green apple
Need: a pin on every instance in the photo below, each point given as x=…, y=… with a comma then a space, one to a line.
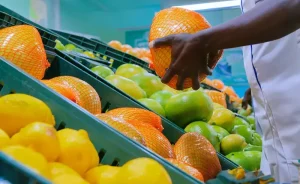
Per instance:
x=126, y=85
x=153, y=105
x=222, y=117
x=162, y=97
x=251, y=147
x=129, y=70
x=257, y=141
x=232, y=143
x=249, y=160
x=206, y=130
x=102, y=71
x=148, y=82
x=251, y=121
x=70, y=47
x=190, y=106
x=244, y=131
x=220, y=131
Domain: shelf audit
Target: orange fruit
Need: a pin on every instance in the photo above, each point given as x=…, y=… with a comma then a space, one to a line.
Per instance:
x=126, y=47
x=86, y=96
x=229, y=91
x=218, y=84
x=133, y=52
x=155, y=140
x=123, y=127
x=22, y=45
x=115, y=44
x=187, y=168
x=61, y=89
x=207, y=81
x=197, y=151
x=217, y=97
x=175, y=21
x=135, y=114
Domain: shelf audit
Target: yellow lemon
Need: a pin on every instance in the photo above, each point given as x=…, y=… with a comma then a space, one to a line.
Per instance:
x=57, y=169
x=4, y=139
x=77, y=151
x=143, y=170
x=218, y=106
x=68, y=178
x=102, y=174
x=223, y=117
x=40, y=137
x=18, y=110
x=32, y=159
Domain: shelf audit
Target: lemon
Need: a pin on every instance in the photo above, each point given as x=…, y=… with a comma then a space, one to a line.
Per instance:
x=40, y=137
x=217, y=106
x=68, y=178
x=102, y=174
x=4, y=139
x=143, y=170
x=57, y=169
x=18, y=110
x=32, y=159
x=77, y=151
x=223, y=117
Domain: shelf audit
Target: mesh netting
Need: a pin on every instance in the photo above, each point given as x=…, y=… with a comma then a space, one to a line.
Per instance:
x=22, y=45
x=64, y=90
x=197, y=151
x=175, y=21
x=217, y=97
x=123, y=127
x=86, y=95
x=136, y=114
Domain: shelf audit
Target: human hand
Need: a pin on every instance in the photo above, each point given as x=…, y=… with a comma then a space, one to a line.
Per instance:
x=247, y=100
x=190, y=58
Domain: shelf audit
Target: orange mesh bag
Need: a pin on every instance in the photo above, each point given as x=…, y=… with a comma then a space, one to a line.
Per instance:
x=85, y=95
x=217, y=97
x=135, y=114
x=61, y=89
x=22, y=45
x=187, y=168
x=218, y=84
x=197, y=151
x=123, y=127
x=175, y=21
x=155, y=140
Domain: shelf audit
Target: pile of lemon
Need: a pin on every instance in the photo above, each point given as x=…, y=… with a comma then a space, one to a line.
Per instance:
x=28, y=135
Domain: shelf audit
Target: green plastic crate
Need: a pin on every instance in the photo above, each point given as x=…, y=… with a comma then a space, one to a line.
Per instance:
x=113, y=147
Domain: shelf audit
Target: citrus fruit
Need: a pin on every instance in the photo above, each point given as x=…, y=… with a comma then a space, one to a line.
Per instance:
x=251, y=147
x=165, y=23
x=115, y=44
x=240, y=121
x=155, y=140
x=187, y=168
x=206, y=130
x=222, y=117
x=251, y=121
x=86, y=96
x=195, y=150
x=22, y=45
x=77, y=151
x=232, y=143
x=59, y=45
x=126, y=47
x=143, y=171
x=129, y=70
x=217, y=97
x=18, y=110
x=257, y=141
x=153, y=105
x=217, y=106
x=70, y=47
x=221, y=132
x=126, y=85
x=4, y=139
x=135, y=114
x=102, y=71
x=57, y=169
x=68, y=178
x=148, y=82
x=123, y=127
x=249, y=160
x=218, y=84
x=64, y=90
x=40, y=137
x=244, y=131
x=174, y=91
x=30, y=158
x=162, y=97
x=89, y=54
x=246, y=112
x=187, y=107
x=102, y=174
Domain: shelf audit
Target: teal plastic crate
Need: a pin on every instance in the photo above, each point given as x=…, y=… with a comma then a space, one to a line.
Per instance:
x=113, y=147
